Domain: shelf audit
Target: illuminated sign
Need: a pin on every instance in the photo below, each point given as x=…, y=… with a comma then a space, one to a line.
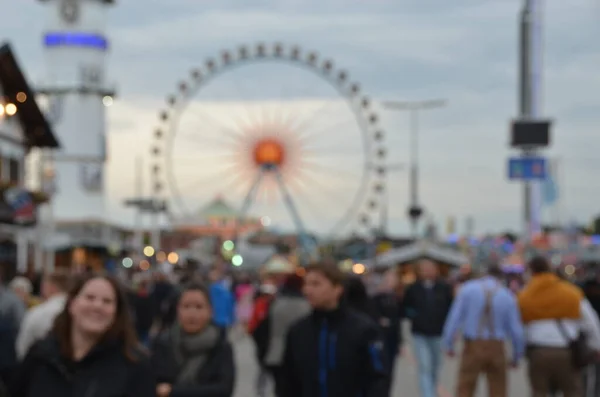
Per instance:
x=67, y=39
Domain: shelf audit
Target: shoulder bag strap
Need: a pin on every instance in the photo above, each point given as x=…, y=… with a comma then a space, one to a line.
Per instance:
x=563, y=331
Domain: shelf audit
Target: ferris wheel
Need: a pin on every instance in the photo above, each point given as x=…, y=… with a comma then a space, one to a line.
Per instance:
x=314, y=162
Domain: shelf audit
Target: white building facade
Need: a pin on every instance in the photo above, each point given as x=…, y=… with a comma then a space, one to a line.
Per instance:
x=76, y=47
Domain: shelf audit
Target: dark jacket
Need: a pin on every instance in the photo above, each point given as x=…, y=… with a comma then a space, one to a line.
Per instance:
x=260, y=332
x=144, y=311
x=389, y=312
x=591, y=288
x=334, y=354
x=104, y=372
x=427, y=311
x=356, y=297
x=215, y=378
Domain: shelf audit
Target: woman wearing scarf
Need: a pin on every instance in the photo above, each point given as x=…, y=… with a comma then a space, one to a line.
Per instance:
x=193, y=358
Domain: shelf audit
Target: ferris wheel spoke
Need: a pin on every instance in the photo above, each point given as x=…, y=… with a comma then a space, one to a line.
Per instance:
x=252, y=120
x=346, y=179
x=234, y=133
x=194, y=160
x=284, y=116
x=329, y=168
x=272, y=196
x=331, y=151
x=201, y=139
x=299, y=190
x=311, y=136
x=239, y=185
x=307, y=121
x=331, y=174
x=329, y=188
x=265, y=190
x=217, y=175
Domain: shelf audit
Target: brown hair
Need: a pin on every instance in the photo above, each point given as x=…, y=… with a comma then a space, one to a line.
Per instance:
x=539, y=264
x=121, y=329
x=196, y=287
x=60, y=278
x=328, y=270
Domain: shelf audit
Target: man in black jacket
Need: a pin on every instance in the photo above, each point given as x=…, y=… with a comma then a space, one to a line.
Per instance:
x=426, y=304
x=335, y=351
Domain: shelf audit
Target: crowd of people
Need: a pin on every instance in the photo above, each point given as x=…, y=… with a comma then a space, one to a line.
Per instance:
x=318, y=333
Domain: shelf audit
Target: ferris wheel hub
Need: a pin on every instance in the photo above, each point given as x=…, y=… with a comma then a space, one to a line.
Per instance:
x=269, y=152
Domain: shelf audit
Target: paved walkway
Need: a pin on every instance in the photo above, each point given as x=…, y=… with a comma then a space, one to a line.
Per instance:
x=406, y=383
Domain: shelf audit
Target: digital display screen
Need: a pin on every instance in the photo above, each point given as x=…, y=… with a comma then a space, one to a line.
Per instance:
x=530, y=133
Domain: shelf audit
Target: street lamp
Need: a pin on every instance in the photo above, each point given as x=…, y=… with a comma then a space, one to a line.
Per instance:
x=415, y=211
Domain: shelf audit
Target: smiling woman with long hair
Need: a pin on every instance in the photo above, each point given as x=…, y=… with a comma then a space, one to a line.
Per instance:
x=91, y=351
x=194, y=357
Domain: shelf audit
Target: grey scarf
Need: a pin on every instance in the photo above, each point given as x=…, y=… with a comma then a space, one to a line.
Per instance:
x=192, y=350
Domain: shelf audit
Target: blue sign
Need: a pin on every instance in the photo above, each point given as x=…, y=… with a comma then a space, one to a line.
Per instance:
x=527, y=168
x=71, y=39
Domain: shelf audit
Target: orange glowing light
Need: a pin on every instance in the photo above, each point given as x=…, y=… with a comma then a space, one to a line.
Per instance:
x=269, y=151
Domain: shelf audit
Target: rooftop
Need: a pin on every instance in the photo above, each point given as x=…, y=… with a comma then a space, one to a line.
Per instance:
x=218, y=208
x=36, y=128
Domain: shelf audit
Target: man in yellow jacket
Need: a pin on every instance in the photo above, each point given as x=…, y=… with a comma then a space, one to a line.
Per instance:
x=554, y=313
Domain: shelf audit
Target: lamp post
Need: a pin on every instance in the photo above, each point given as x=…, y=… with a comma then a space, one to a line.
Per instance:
x=530, y=54
x=415, y=211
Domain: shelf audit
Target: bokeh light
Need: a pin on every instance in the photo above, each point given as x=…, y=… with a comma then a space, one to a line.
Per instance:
x=569, y=270
x=127, y=262
x=161, y=256
x=358, y=268
x=144, y=265
x=11, y=109
x=148, y=251
x=237, y=260
x=173, y=258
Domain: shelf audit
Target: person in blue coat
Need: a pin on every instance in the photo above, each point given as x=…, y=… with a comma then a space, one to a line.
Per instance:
x=223, y=301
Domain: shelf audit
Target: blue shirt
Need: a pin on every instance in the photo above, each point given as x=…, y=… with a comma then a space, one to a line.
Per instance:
x=467, y=311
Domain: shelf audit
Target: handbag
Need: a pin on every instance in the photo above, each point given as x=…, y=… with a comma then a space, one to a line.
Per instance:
x=581, y=354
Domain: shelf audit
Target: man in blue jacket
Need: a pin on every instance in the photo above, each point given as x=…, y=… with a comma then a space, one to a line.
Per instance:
x=334, y=351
